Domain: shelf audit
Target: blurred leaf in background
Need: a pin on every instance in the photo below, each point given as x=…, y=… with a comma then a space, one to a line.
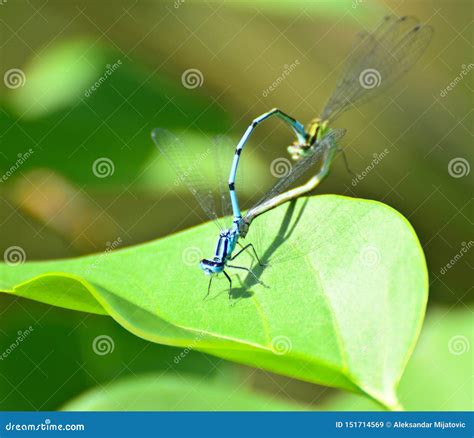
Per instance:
x=58, y=354
x=175, y=393
x=439, y=375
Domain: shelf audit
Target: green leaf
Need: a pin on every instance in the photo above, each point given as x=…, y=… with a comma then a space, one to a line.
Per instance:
x=171, y=393
x=346, y=312
x=439, y=375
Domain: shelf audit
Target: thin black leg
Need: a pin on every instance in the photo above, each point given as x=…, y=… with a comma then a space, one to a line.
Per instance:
x=243, y=249
x=346, y=163
x=230, y=285
x=208, y=288
x=245, y=269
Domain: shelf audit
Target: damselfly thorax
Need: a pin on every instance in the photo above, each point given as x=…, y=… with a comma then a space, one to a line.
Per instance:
x=315, y=131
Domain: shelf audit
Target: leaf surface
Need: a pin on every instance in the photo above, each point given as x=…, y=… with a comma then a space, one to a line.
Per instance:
x=340, y=303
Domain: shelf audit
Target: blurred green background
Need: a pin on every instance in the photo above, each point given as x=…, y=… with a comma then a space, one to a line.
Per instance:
x=55, y=124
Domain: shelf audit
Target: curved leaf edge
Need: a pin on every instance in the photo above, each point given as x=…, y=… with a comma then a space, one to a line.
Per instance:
x=390, y=403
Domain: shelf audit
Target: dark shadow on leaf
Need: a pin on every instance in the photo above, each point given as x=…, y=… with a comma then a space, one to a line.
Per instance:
x=283, y=234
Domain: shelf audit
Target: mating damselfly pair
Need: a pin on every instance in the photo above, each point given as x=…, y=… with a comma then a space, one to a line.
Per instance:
x=376, y=61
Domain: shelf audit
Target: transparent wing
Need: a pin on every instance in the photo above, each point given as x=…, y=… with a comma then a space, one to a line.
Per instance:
x=188, y=166
x=377, y=60
x=291, y=172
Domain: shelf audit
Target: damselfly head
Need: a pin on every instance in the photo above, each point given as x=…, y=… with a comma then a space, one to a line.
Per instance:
x=211, y=267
